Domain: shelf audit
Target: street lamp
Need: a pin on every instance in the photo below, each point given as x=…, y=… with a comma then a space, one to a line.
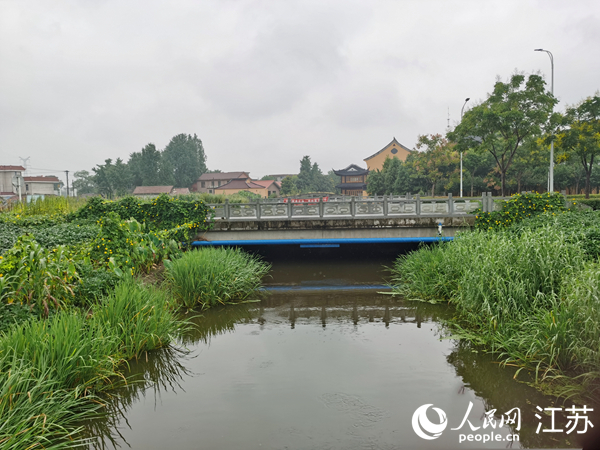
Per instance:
x=461, y=170
x=551, y=173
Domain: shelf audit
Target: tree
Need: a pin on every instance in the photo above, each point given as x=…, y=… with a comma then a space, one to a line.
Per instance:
x=476, y=166
x=288, y=186
x=305, y=176
x=438, y=161
x=84, y=182
x=112, y=179
x=579, y=136
x=513, y=112
x=185, y=155
x=150, y=165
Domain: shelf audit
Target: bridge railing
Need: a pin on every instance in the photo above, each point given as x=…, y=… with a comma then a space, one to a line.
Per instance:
x=354, y=207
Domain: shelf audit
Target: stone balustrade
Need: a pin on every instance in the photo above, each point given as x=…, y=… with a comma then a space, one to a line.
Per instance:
x=353, y=207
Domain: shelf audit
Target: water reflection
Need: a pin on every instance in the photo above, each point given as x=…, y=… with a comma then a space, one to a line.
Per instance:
x=158, y=372
x=336, y=356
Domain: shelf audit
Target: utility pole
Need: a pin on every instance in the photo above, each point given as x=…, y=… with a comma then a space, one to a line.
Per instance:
x=19, y=186
x=67, y=172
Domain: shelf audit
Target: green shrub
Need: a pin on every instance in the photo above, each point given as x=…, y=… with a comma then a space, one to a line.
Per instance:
x=205, y=277
x=518, y=208
x=161, y=213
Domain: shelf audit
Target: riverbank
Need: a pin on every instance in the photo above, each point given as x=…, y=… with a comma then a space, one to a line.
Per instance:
x=74, y=310
x=527, y=292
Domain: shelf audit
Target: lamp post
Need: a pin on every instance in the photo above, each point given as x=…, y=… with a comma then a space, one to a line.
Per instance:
x=551, y=173
x=461, y=169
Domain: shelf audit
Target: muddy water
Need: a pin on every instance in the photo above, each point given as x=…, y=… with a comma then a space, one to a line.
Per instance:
x=323, y=361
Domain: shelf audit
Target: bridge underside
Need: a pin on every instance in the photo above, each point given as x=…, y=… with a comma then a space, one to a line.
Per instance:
x=414, y=228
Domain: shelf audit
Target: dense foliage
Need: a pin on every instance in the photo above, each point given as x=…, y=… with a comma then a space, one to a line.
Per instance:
x=72, y=314
x=518, y=208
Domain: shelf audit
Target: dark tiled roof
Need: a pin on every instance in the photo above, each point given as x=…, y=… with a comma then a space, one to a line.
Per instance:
x=352, y=169
x=394, y=141
x=223, y=176
x=149, y=190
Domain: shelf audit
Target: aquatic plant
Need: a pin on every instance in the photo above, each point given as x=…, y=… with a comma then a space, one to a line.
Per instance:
x=51, y=370
x=210, y=276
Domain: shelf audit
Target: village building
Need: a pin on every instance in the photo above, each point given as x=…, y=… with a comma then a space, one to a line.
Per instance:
x=7, y=180
x=393, y=150
x=273, y=187
x=42, y=185
x=263, y=188
x=353, y=180
x=209, y=182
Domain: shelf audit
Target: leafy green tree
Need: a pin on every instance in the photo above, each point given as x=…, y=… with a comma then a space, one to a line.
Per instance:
x=135, y=169
x=112, y=179
x=475, y=167
x=288, y=186
x=84, y=182
x=579, y=136
x=438, y=161
x=515, y=111
x=150, y=165
x=305, y=176
x=185, y=155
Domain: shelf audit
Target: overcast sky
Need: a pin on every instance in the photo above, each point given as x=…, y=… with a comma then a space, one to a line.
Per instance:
x=263, y=83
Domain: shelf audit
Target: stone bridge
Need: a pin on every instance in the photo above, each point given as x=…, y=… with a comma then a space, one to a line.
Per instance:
x=398, y=218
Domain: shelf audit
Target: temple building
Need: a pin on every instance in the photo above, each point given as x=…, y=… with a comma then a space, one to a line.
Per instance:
x=354, y=180
x=393, y=150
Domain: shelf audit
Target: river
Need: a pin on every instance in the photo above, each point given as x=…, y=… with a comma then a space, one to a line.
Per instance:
x=324, y=360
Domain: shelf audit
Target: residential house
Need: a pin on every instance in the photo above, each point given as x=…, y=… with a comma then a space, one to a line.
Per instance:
x=7, y=180
x=353, y=180
x=262, y=188
x=273, y=187
x=42, y=185
x=209, y=182
x=393, y=150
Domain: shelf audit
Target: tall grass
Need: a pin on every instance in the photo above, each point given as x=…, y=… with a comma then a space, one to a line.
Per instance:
x=50, y=370
x=533, y=297
x=49, y=205
x=210, y=276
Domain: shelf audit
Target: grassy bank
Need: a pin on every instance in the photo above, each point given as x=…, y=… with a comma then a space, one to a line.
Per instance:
x=72, y=313
x=528, y=293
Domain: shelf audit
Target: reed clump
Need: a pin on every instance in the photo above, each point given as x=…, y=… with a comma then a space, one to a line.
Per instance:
x=530, y=295
x=210, y=276
x=51, y=370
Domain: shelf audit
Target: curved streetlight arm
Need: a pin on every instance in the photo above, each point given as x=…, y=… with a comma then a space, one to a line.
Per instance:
x=551, y=66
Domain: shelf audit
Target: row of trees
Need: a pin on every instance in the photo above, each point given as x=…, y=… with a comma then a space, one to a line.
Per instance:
x=504, y=141
x=179, y=164
x=309, y=179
